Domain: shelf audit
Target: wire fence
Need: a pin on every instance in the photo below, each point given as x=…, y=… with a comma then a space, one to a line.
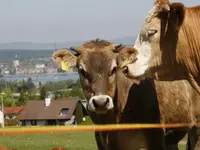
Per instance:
x=87, y=128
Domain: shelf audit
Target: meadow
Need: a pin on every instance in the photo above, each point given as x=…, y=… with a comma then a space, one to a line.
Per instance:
x=71, y=141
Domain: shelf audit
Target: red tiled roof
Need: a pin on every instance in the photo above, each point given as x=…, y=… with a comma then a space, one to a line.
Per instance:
x=13, y=110
x=36, y=110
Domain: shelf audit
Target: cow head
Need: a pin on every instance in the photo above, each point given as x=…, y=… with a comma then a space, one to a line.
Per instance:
x=157, y=39
x=96, y=64
x=126, y=56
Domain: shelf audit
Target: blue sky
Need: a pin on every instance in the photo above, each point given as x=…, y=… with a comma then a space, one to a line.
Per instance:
x=72, y=20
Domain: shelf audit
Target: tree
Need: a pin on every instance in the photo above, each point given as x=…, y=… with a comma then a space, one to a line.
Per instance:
x=26, y=85
x=79, y=113
x=78, y=82
x=58, y=95
x=32, y=94
x=70, y=82
x=43, y=92
x=76, y=91
x=49, y=86
x=7, y=97
x=23, y=98
x=30, y=83
x=40, y=84
x=60, y=85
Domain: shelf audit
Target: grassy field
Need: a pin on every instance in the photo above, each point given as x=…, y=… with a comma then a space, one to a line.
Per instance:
x=71, y=141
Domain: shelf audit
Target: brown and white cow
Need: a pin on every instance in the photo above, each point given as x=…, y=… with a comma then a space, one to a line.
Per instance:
x=96, y=63
x=178, y=101
x=113, y=98
x=169, y=44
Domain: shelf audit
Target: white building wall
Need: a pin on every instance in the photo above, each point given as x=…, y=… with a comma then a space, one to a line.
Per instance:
x=1, y=117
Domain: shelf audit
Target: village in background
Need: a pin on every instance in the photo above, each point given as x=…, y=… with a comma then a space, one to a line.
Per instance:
x=34, y=91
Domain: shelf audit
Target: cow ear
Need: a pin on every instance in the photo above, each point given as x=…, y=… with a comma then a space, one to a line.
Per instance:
x=117, y=47
x=177, y=13
x=165, y=8
x=64, y=59
x=126, y=56
x=163, y=5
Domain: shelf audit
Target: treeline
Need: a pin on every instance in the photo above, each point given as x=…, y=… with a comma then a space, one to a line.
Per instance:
x=29, y=91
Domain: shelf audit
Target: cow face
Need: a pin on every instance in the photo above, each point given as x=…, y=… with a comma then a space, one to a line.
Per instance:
x=96, y=64
x=148, y=42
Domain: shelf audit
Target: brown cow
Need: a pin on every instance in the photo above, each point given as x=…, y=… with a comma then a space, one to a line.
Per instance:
x=169, y=44
x=178, y=101
x=108, y=101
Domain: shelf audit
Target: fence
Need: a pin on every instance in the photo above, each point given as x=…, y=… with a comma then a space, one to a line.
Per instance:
x=86, y=128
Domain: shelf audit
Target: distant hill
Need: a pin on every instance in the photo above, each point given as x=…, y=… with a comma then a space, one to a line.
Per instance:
x=51, y=46
x=129, y=40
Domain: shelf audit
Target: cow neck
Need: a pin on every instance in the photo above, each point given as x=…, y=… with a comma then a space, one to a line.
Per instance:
x=118, y=107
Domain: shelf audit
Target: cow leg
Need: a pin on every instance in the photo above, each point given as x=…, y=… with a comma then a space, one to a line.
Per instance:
x=172, y=139
x=156, y=139
x=106, y=141
x=188, y=145
x=101, y=140
x=172, y=147
x=194, y=138
x=197, y=146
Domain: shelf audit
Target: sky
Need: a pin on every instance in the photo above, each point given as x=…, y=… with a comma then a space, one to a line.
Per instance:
x=72, y=20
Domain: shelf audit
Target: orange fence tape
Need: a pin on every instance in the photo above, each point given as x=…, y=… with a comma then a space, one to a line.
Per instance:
x=84, y=128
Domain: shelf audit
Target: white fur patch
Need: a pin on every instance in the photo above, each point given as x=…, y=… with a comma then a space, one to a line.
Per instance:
x=140, y=66
x=114, y=64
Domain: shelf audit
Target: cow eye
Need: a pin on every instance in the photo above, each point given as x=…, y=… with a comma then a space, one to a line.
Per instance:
x=113, y=71
x=151, y=32
x=82, y=71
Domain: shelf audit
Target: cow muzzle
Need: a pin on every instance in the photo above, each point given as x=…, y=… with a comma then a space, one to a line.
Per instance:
x=100, y=104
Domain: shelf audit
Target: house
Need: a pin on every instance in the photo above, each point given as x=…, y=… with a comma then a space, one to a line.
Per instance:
x=53, y=112
x=11, y=114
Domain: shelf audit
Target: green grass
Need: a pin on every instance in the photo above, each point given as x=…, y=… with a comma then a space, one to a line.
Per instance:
x=71, y=141
x=87, y=122
x=182, y=147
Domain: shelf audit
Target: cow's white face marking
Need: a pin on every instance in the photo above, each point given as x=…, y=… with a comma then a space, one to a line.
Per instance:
x=147, y=45
x=140, y=66
x=143, y=57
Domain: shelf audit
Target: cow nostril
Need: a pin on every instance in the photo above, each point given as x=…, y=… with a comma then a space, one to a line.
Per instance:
x=107, y=101
x=94, y=103
x=125, y=70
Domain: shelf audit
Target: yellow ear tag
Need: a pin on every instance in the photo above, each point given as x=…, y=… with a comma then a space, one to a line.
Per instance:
x=124, y=63
x=64, y=66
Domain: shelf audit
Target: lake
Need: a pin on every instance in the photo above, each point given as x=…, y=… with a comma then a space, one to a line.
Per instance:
x=43, y=77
